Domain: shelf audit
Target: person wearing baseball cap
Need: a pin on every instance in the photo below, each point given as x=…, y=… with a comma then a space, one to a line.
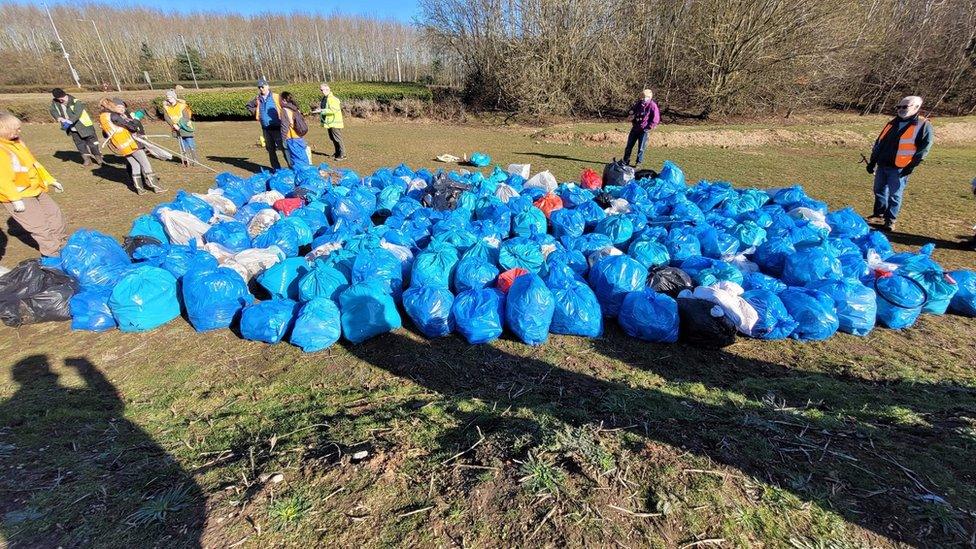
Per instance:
x=78, y=124
x=266, y=109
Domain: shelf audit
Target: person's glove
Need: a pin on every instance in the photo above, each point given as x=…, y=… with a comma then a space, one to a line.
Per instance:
x=19, y=206
x=907, y=170
x=58, y=187
x=870, y=168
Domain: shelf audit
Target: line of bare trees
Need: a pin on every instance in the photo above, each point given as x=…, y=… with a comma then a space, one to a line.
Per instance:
x=222, y=47
x=708, y=57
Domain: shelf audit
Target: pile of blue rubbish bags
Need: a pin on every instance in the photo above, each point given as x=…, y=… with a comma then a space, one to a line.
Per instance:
x=313, y=255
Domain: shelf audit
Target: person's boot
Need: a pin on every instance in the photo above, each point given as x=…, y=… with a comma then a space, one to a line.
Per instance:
x=151, y=183
x=889, y=225
x=137, y=184
x=97, y=159
x=86, y=160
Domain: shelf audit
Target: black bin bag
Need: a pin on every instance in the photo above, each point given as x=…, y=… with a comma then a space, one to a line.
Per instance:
x=31, y=293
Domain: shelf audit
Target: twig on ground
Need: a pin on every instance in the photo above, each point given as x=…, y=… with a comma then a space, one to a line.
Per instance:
x=635, y=513
x=709, y=541
x=473, y=446
x=414, y=512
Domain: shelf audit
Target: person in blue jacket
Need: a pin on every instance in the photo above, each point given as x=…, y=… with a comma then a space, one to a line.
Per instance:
x=266, y=109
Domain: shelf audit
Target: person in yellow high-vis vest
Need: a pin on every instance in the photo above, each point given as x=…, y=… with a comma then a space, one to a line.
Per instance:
x=180, y=119
x=77, y=123
x=23, y=190
x=266, y=109
x=330, y=115
x=903, y=144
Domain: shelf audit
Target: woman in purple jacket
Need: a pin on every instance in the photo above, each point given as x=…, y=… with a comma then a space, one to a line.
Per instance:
x=645, y=116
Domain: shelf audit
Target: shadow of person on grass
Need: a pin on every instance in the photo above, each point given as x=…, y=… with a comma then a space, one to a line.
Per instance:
x=962, y=241
x=17, y=231
x=839, y=452
x=77, y=473
x=239, y=162
x=597, y=161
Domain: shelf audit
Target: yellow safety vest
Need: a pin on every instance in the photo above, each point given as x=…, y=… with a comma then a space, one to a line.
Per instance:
x=118, y=137
x=331, y=116
x=177, y=112
x=21, y=175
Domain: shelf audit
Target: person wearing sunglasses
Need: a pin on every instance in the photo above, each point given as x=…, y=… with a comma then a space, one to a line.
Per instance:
x=903, y=144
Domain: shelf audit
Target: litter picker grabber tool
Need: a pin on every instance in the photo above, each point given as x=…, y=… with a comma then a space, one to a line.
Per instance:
x=149, y=143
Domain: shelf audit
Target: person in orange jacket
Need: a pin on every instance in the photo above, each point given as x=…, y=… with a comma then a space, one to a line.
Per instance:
x=23, y=190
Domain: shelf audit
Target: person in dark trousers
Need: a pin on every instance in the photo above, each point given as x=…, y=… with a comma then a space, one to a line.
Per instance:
x=903, y=144
x=78, y=124
x=293, y=130
x=266, y=109
x=644, y=117
x=330, y=115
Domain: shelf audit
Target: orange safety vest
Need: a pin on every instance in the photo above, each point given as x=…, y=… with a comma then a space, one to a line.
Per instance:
x=292, y=134
x=119, y=137
x=906, y=143
x=257, y=104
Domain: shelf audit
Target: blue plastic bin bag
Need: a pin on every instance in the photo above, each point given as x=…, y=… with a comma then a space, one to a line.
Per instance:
x=529, y=308
x=282, y=279
x=857, y=305
x=612, y=278
x=322, y=281
x=649, y=316
x=144, y=299
x=774, y=321
x=813, y=311
x=434, y=266
x=90, y=311
x=964, y=301
x=268, y=321
x=430, y=309
x=317, y=326
x=478, y=315
x=900, y=301
x=229, y=234
x=214, y=297
x=473, y=273
x=367, y=310
x=94, y=259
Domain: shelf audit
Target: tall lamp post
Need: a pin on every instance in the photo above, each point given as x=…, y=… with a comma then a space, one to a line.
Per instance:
x=108, y=60
x=74, y=73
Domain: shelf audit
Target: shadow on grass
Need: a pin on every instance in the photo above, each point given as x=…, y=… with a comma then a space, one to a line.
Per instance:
x=894, y=458
x=598, y=161
x=963, y=241
x=78, y=473
x=17, y=231
x=239, y=162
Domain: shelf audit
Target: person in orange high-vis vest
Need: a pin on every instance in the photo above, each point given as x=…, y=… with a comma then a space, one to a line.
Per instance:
x=119, y=130
x=903, y=144
x=23, y=190
x=266, y=109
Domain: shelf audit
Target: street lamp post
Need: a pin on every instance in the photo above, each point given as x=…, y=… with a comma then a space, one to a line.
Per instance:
x=108, y=60
x=74, y=73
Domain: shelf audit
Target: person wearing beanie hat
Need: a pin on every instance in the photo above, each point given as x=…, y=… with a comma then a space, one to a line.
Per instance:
x=180, y=119
x=78, y=124
x=266, y=109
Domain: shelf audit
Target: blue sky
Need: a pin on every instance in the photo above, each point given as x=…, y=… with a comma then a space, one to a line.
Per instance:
x=402, y=10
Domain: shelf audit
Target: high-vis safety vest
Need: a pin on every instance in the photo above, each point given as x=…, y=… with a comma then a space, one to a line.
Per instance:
x=177, y=112
x=21, y=175
x=118, y=137
x=906, y=142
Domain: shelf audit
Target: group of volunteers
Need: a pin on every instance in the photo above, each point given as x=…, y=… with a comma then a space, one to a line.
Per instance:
x=901, y=147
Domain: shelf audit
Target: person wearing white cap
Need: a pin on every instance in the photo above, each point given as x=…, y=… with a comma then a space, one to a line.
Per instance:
x=903, y=144
x=180, y=118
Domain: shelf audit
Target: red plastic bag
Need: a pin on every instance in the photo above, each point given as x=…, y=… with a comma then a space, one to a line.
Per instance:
x=506, y=279
x=591, y=180
x=549, y=203
x=288, y=205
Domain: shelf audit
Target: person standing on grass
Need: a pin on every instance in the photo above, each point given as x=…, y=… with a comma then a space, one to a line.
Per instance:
x=644, y=117
x=903, y=144
x=266, y=109
x=180, y=118
x=23, y=190
x=330, y=115
x=118, y=128
x=293, y=130
x=77, y=123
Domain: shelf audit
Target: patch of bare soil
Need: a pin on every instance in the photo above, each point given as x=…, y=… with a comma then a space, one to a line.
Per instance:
x=952, y=132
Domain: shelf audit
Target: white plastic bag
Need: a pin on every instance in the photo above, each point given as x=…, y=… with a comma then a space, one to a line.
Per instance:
x=268, y=197
x=505, y=192
x=182, y=227
x=618, y=206
x=815, y=218
x=542, y=180
x=261, y=221
x=728, y=296
x=601, y=253
x=255, y=261
x=323, y=250
x=522, y=170
x=220, y=204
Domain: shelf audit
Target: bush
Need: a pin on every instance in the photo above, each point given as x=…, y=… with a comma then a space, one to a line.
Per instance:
x=231, y=104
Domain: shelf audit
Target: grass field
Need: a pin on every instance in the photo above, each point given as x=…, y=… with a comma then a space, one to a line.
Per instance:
x=173, y=438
